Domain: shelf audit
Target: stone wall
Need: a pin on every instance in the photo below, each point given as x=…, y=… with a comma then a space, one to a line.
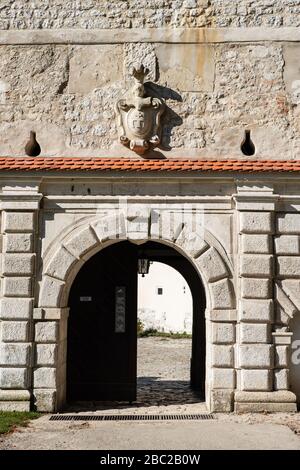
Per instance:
x=216, y=79
x=271, y=13
x=67, y=94
x=36, y=14
x=28, y=14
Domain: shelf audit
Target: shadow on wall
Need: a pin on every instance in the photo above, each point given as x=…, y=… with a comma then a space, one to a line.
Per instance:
x=170, y=119
x=295, y=357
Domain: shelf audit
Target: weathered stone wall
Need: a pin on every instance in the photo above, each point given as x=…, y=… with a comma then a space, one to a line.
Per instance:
x=92, y=14
x=67, y=94
x=274, y=13
x=65, y=87
x=28, y=14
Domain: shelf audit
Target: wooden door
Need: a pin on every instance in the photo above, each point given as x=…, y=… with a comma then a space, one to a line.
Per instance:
x=102, y=333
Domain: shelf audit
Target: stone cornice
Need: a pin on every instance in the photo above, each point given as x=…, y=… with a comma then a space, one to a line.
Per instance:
x=261, y=202
x=20, y=201
x=154, y=35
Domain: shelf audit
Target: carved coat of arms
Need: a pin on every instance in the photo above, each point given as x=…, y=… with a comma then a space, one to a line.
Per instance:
x=139, y=115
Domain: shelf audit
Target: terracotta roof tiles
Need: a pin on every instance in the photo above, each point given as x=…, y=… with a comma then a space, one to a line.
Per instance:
x=140, y=165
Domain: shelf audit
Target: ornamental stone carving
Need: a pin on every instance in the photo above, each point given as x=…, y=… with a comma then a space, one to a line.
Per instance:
x=139, y=115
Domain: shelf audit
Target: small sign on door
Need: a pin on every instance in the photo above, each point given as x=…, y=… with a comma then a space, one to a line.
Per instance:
x=85, y=299
x=120, y=309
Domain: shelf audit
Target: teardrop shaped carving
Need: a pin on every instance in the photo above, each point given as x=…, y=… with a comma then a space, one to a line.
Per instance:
x=247, y=146
x=32, y=148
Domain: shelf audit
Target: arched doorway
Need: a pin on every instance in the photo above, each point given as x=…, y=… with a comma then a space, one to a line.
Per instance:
x=102, y=325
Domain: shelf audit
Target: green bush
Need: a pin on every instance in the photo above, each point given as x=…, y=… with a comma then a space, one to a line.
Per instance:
x=153, y=332
x=140, y=327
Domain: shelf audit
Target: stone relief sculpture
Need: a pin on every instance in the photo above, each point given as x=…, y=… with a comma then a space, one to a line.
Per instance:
x=139, y=115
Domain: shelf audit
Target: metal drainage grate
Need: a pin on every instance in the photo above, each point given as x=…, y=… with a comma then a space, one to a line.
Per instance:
x=120, y=417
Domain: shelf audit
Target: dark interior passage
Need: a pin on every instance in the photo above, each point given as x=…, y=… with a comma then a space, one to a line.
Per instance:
x=102, y=328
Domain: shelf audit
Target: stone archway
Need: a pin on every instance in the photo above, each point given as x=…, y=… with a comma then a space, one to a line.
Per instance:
x=64, y=260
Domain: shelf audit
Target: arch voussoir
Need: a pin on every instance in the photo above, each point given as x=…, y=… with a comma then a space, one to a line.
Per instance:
x=82, y=242
x=191, y=242
x=111, y=227
x=61, y=264
x=51, y=292
x=212, y=266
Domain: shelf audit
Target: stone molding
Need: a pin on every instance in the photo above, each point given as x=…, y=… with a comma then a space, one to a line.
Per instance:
x=150, y=35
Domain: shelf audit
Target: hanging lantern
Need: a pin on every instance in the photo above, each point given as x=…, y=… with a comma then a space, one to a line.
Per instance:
x=143, y=266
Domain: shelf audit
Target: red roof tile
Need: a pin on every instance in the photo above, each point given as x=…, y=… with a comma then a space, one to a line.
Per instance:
x=131, y=164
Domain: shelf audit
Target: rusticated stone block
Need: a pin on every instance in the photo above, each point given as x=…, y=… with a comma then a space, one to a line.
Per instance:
x=257, y=265
x=287, y=245
x=255, y=243
x=288, y=266
x=256, y=356
x=255, y=333
x=15, y=309
x=256, y=222
x=256, y=310
x=18, y=243
x=221, y=401
x=223, y=333
x=45, y=400
x=281, y=379
x=256, y=288
x=260, y=380
x=46, y=332
x=14, y=378
x=17, y=287
x=45, y=354
x=44, y=377
x=14, y=331
x=18, y=221
x=223, y=378
x=222, y=294
x=288, y=223
x=18, y=264
x=222, y=356
x=15, y=354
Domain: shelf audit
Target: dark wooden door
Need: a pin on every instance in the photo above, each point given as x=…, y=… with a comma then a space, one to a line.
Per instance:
x=102, y=342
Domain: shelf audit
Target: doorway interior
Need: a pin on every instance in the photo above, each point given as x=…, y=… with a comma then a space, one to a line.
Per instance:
x=102, y=328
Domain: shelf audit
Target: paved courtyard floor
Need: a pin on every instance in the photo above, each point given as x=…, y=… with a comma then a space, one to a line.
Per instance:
x=163, y=387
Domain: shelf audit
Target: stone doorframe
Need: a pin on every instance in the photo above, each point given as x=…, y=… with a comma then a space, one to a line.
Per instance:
x=64, y=260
